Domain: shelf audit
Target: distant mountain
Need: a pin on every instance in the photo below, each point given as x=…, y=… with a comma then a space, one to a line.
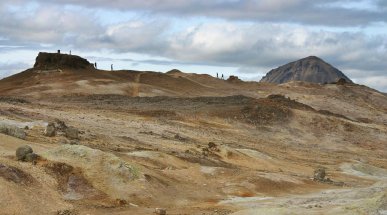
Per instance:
x=310, y=69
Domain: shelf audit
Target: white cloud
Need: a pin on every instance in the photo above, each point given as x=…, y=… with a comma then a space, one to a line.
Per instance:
x=136, y=35
x=45, y=25
x=7, y=69
x=377, y=82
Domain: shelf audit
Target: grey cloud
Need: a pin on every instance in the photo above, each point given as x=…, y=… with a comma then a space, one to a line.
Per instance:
x=297, y=11
x=134, y=36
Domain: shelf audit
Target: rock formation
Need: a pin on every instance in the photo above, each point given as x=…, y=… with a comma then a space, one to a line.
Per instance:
x=234, y=79
x=60, y=61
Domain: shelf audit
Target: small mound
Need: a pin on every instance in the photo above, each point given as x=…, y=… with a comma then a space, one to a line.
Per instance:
x=283, y=101
x=72, y=182
x=263, y=111
x=266, y=111
x=60, y=61
x=106, y=172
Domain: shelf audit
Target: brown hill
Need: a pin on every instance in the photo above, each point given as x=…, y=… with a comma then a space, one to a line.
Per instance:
x=310, y=69
x=61, y=74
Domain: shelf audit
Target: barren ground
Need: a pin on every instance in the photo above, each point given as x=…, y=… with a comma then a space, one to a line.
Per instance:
x=199, y=155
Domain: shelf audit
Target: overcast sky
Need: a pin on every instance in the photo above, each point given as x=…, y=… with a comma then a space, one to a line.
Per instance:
x=240, y=37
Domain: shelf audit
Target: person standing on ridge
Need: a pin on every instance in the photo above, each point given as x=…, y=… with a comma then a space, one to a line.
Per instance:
x=111, y=67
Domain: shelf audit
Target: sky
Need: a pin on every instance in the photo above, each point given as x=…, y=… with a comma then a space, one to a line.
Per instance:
x=246, y=38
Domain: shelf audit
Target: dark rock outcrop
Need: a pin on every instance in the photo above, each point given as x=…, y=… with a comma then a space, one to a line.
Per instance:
x=233, y=78
x=310, y=69
x=60, y=61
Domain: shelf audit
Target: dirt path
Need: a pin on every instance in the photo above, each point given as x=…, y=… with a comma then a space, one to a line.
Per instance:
x=136, y=85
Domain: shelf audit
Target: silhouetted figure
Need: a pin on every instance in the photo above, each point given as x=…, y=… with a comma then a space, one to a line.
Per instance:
x=70, y=52
x=58, y=51
x=222, y=77
x=217, y=76
x=95, y=65
x=111, y=67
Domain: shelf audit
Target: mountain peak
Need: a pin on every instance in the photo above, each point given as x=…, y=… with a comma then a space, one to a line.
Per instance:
x=312, y=58
x=310, y=69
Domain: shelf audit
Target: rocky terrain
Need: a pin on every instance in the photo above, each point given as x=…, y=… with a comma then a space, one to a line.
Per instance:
x=310, y=69
x=86, y=141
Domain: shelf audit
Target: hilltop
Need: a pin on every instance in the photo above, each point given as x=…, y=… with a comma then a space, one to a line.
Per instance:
x=309, y=69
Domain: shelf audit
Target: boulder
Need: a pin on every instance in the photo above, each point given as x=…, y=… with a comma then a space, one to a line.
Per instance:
x=22, y=152
x=319, y=174
x=211, y=145
x=66, y=212
x=60, y=125
x=50, y=130
x=72, y=133
x=31, y=157
x=160, y=211
x=12, y=131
